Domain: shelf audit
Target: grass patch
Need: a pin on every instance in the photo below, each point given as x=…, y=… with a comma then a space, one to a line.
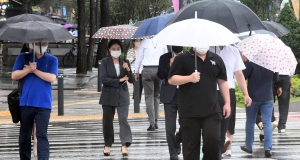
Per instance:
x=292, y=99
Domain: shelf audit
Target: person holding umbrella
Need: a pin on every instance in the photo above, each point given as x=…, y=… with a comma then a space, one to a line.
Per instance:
x=36, y=98
x=114, y=74
x=199, y=111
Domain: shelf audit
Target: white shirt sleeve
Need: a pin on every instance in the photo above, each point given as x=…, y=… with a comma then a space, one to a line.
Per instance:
x=139, y=57
x=239, y=65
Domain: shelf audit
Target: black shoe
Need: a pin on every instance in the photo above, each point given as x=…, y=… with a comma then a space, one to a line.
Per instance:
x=151, y=128
x=155, y=124
x=268, y=153
x=106, y=153
x=261, y=137
x=124, y=153
x=173, y=157
x=245, y=149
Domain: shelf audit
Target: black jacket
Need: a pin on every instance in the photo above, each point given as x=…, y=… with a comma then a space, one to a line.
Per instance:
x=114, y=93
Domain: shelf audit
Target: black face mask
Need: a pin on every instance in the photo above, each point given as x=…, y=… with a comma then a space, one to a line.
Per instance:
x=177, y=49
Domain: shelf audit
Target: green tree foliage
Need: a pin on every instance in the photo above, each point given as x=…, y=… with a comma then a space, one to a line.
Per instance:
x=288, y=19
x=122, y=11
x=260, y=8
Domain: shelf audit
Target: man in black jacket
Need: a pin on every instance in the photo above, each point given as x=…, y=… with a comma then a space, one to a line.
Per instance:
x=169, y=96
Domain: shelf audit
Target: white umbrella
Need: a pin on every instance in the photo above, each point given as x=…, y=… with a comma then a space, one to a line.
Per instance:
x=196, y=32
x=268, y=52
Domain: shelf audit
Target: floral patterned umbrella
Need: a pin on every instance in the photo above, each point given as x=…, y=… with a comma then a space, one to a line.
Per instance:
x=268, y=52
x=116, y=32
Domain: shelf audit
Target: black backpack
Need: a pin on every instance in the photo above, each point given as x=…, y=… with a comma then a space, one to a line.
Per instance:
x=13, y=98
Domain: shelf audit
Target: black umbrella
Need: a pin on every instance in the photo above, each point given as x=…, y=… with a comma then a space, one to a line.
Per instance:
x=34, y=31
x=24, y=18
x=235, y=16
x=276, y=28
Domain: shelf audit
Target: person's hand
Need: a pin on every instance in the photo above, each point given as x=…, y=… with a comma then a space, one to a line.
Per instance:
x=125, y=78
x=136, y=77
x=171, y=61
x=279, y=91
x=125, y=66
x=31, y=67
x=195, y=77
x=247, y=101
x=226, y=110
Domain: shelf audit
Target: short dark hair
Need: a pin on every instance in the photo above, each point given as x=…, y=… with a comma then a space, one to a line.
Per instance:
x=114, y=41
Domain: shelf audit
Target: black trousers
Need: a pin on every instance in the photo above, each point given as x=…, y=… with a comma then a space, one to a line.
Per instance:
x=228, y=123
x=170, y=124
x=284, y=101
x=191, y=129
x=141, y=87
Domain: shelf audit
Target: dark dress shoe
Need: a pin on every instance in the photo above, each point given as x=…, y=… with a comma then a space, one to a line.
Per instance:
x=245, y=149
x=106, y=153
x=173, y=157
x=268, y=153
x=155, y=126
x=261, y=137
x=124, y=153
x=178, y=149
x=151, y=128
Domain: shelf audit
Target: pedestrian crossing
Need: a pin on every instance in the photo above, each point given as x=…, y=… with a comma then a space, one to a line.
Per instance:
x=84, y=140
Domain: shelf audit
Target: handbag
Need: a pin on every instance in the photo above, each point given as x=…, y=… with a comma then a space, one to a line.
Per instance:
x=13, y=98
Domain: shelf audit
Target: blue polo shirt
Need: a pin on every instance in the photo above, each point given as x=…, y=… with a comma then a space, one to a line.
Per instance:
x=37, y=92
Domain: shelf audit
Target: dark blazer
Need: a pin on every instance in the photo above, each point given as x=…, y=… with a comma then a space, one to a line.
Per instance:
x=167, y=91
x=113, y=92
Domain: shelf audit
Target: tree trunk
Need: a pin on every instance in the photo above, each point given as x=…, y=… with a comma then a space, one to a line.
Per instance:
x=24, y=6
x=102, y=46
x=81, y=51
x=90, y=55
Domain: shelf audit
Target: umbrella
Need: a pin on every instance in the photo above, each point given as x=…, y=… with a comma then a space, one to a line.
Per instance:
x=195, y=32
x=24, y=18
x=261, y=31
x=68, y=25
x=152, y=26
x=34, y=31
x=116, y=32
x=74, y=26
x=276, y=28
x=235, y=16
x=268, y=52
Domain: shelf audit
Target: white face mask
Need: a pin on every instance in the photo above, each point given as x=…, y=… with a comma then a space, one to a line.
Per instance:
x=201, y=49
x=30, y=46
x=37, y=49
x=115, y=54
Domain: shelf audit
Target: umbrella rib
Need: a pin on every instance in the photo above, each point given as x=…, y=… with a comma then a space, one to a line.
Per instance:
x=232, y=16
x=50, y=31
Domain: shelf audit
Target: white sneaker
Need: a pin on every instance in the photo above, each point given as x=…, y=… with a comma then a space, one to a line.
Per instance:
x=281, y=131
x=227, y=153
x=35, y=149
x=274, y=124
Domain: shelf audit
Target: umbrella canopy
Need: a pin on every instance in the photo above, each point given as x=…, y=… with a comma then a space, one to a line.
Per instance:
x=152, y=26
x=68, y=25
x=24, y=18
x=261, y=31
x=276, y=28
x=235, y=16
x=268, y=52
x=195, y=32
x=34, y=31
x=116, y=32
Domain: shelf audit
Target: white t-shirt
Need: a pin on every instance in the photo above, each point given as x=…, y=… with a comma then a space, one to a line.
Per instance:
x=232, y=60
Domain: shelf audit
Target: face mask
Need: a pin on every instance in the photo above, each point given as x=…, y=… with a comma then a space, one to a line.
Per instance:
x=37, y=49
x=115, y=54
x=201, y=49
x=30, y=46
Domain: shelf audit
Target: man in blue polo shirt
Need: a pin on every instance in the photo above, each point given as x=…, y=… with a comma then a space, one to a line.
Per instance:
x=36, y=98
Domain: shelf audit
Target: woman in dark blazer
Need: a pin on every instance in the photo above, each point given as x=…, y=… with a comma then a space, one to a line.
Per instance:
x=114, y=74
